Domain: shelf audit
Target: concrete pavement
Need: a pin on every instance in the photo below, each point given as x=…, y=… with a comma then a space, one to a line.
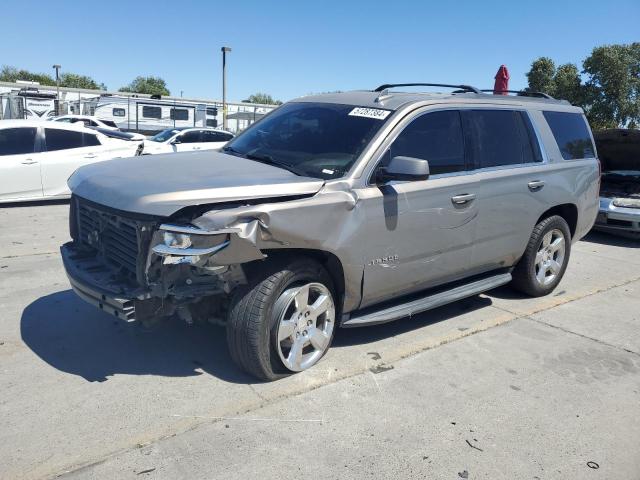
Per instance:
x=88, y=395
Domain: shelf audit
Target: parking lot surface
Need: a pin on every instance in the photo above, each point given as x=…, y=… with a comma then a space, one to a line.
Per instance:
x=496, y=386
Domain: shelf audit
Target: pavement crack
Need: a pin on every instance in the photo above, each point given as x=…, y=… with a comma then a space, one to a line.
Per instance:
x=28, y=255
x=587, y=337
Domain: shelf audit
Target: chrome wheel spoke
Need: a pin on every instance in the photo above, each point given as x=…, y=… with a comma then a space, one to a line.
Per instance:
x=295, y=354
x=557, y=244
x=320, y=306
x=539, y=257
x=302, y=298
x=318, y=339
x=286, y=329
x=542, y=274
x=546, y=240
x=554, y=267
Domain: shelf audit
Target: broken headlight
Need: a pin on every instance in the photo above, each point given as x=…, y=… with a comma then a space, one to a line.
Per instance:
x=627, y=202
x=172, y=241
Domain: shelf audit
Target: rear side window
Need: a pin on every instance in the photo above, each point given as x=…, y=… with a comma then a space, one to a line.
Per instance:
x=151, y=112
x=190, y=137
x=436, y=137
x=65, y=139
x=572, y=134
x=17, y=141
x=208, y=136
x=500, y=138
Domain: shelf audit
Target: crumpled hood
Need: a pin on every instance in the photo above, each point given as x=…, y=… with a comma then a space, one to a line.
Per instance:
x=163, y=184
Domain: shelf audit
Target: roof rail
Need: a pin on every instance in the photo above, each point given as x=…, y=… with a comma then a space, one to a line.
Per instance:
x=523, y=93
x=464, y=88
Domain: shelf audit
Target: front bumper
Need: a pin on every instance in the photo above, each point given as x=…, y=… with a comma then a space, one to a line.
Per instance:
x=617, y=219
x=94, y=283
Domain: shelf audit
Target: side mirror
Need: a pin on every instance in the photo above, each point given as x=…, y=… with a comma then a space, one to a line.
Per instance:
x=176, y=141
x=404, y=168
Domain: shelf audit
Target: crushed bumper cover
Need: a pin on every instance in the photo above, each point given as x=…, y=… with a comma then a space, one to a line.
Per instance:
x=93, y=283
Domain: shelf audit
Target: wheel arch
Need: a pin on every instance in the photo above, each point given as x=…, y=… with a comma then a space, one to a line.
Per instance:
x=328, y=260
x=568, y=211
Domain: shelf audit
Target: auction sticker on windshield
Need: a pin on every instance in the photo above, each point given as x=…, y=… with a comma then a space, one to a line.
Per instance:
x=376, y=113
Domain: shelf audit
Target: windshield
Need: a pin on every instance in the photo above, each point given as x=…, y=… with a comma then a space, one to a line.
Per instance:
x=164, y=135
x=320, y=140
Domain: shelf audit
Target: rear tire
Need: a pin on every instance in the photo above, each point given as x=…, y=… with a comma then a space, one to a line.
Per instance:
x=271, y=331
x=545, y=259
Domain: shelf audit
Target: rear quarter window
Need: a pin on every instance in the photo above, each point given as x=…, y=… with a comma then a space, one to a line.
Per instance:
x=571, y=133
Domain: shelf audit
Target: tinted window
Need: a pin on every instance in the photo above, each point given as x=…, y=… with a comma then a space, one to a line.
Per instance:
x=179, y=114
x=65, y=139
x=190, y=137
x=90, y=140
x=151, y=112
x=571, y=133
x=212, y=122
x=436, y=137
x=212, y=111
x=109, y=123
x=118, y=112
x=500, y=137
x=16, y=141
x=208, y=136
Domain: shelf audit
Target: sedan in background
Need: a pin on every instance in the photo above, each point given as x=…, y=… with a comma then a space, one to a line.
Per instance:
x=37, y=157
x=186, y=139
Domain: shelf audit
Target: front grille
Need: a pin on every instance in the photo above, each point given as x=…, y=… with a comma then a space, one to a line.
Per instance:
x=114, y=238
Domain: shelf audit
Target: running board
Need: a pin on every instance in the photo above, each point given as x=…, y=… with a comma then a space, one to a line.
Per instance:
x=423, y=304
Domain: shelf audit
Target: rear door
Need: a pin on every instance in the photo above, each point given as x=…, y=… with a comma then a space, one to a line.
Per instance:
x=64, y=152
x=418, y=234
x=213, y=140
x=188, y=141
x=19, y=164
x=509, y=167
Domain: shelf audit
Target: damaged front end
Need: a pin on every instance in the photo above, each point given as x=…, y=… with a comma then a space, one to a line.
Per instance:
x=619, y=152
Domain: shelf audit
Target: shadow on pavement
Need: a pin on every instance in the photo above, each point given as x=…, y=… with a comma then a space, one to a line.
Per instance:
x=612, y=239
x=76, y=338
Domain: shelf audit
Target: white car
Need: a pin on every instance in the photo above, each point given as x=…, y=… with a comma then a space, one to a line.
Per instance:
x=37, y=157
x=186, y=139
x=86, y=120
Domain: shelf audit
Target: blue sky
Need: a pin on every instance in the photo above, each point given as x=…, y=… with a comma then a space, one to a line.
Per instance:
x=292, y=48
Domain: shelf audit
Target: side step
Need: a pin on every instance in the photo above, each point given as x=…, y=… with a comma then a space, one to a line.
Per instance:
x=442, y=297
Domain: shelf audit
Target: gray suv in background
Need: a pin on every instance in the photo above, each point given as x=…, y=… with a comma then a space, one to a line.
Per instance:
x=345, y=209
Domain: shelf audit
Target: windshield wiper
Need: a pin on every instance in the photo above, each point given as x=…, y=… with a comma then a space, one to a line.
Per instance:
x=269, y=160
x=232, y=151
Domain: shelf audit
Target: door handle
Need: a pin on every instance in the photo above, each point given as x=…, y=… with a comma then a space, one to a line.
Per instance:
x=29, y=161
x=90, y=155
x=463, y=199
x=196, y=148
x=535, y=185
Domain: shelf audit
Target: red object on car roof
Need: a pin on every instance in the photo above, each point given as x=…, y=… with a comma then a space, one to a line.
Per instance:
x=502, y=81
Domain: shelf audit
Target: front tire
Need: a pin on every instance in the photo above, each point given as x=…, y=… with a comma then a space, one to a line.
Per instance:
x=545, y=260
x=284, y=321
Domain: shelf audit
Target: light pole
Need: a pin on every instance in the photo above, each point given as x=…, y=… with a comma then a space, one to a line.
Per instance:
x=57, y=67
x=224, y=86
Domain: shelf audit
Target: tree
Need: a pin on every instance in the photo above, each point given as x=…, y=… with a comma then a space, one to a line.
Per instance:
x=149, y=85
x=12, y=74
x=613, y=86
x=80, y=81
x=263, y=98
x=610, y=96
x=541, y=74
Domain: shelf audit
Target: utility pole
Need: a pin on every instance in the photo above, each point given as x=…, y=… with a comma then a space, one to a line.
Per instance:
x=224, y=86
x=57, y=67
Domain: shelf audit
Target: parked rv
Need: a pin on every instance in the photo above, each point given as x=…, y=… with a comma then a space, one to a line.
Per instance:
x=185, y=140
x=37, y=157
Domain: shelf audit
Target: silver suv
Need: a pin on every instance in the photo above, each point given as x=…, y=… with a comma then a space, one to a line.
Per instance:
x=346, y=209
